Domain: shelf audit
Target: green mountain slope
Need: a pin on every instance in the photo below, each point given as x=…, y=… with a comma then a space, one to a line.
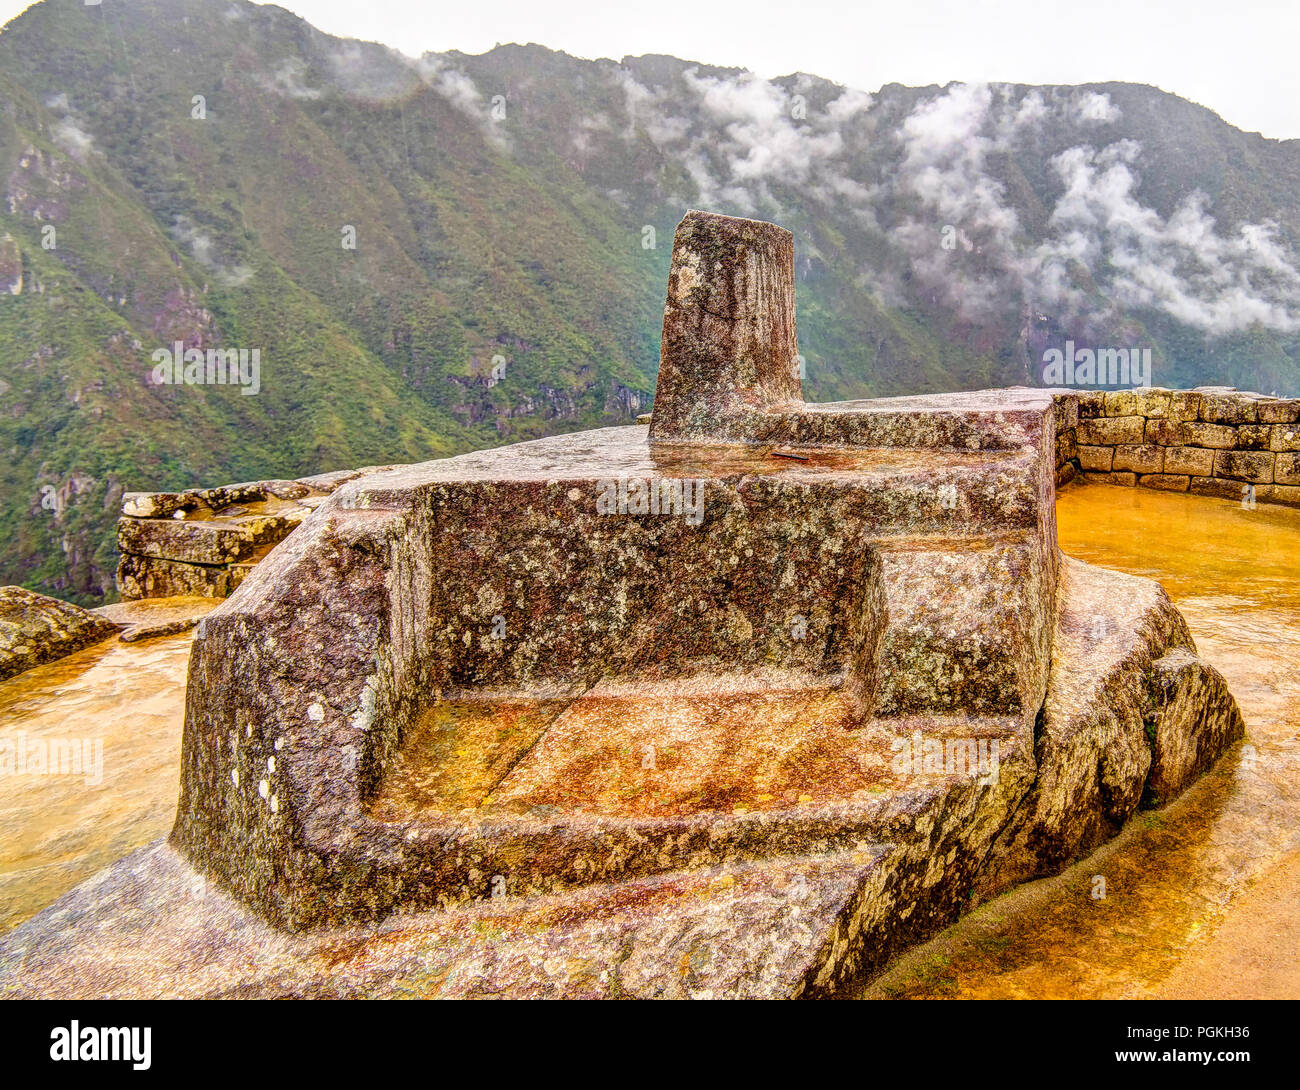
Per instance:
x=438, y=254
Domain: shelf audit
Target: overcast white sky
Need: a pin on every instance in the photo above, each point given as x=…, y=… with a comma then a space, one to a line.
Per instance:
x=1237, y=58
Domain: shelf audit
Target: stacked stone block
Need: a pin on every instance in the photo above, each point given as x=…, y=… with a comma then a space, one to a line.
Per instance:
x=1210, y=441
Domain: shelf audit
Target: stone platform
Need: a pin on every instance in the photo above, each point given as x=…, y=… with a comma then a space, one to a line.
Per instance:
x=741, y=703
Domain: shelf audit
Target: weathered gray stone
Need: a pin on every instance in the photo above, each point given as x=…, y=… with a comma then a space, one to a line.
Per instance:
x=1253, y=437
x=1122, y=403
x=729, y=345
x=1154, y=403
x=1213, y=436
x=1286, y=470
x=213, y=541
x=1191, y=719
x=1092, y=747
x=737, y=705
x=1092, y=404
x=1184, y=406
x=35, y=629
x=1096, y=459
x=1216, y=486
x=1284, y=437
x=1066, y=408
x=1127, y=479
x=150, y=577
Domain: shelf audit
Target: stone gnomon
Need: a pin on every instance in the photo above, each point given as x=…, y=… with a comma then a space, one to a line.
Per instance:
x=753, y=752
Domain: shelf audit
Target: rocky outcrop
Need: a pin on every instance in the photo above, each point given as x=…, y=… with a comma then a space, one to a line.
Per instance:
x=35, y=629
x=203, y=542
x=740, y=704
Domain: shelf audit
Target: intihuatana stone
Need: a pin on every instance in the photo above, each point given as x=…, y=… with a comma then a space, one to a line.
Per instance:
x=739, y=704
x=35, y=629
x=729, y=344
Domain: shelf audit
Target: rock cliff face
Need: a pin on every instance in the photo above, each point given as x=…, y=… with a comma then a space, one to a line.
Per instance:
x=741, y=703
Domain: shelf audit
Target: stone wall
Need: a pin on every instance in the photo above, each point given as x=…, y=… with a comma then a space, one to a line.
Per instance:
x=1210, y=441
x=204, y=541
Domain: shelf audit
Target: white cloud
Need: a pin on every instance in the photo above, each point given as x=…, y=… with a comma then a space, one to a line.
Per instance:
x=73, y=139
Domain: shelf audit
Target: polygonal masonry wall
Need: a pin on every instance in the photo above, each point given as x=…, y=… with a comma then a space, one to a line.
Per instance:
x=631, y=651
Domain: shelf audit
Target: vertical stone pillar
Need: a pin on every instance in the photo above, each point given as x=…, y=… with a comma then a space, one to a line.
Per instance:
x=729, y=351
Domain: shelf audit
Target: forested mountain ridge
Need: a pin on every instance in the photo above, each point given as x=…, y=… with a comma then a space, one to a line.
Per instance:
x=438, y=254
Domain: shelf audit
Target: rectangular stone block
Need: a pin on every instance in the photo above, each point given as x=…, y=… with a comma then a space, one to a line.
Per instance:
x=1166, y=482
x=1067, y=449
x=1111, y=431
x=1184, y=405
x=1126, y=479
x=1121, y=403
x=1167, y=433
x=1147, y=458
x=1284, y=437
x=1190, y=461
x=1227, y=409
x=205, y=541
x=1253, y=437
x=1213, y=436
x=1214, y=486
x=1154, y=403
x=1286, y=469
x=1092, y=404
x=1240, y=465
x=1287, y=494
x=149, y=577
x=1096, y=459
x=1278, y=412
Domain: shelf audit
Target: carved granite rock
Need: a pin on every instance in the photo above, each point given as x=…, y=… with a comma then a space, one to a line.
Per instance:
x=740, y=704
